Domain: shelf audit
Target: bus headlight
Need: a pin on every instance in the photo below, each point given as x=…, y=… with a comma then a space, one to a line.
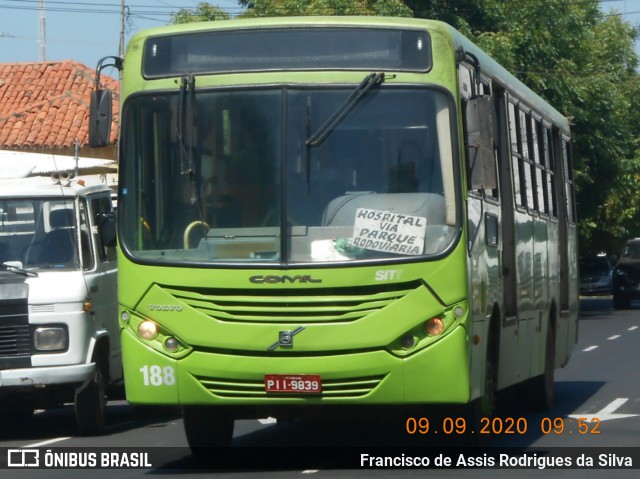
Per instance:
x=50, y=338
x=147, y=329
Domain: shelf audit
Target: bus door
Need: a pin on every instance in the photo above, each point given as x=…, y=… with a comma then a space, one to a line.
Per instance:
x=483, y=226
x=516, y=240
x=567, y=331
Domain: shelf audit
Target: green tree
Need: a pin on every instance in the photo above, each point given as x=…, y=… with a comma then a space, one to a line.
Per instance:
x=467, y=16
x=203, y=12
x=583, y=62
x=267, y=8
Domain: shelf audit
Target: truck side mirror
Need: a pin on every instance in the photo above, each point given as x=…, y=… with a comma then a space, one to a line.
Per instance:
x=107, y=229
x=100, y=118
x=479, y=125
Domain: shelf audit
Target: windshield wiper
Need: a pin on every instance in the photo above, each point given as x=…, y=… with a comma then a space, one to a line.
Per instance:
x=184, y=125
x=371, y=80
x=14, y=269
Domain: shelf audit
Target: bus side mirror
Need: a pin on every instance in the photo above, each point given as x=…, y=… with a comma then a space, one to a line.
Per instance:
x=480, y=153
x=107, y=229
x=100, y=118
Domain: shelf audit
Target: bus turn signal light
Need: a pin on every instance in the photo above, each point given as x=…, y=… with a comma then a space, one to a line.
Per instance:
x=434, y=327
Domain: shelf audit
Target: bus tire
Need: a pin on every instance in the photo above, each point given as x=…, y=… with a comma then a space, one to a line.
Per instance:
x=90, y=405
x=540, y=390
x=206, y=427
x=486, y=405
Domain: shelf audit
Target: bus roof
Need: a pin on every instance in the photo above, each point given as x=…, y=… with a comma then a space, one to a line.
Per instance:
x=488, y=65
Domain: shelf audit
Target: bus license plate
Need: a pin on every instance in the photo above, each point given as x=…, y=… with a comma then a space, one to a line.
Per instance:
x=299, y=384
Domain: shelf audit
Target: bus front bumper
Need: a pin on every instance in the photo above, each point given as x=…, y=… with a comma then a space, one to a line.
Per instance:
x=437, y=374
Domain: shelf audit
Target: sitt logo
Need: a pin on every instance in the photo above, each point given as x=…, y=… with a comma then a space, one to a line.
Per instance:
x=388, y=274
x=23, y=458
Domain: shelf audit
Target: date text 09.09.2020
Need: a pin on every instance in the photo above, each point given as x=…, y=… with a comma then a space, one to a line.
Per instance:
x=500, y=425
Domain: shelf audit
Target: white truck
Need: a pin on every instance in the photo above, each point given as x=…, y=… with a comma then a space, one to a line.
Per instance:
x=59, y=338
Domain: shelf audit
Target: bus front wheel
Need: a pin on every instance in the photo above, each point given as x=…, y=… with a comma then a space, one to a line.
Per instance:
x=206, y=427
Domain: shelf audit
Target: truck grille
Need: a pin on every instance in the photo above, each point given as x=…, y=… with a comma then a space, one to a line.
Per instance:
x=15, y=340
x=15, y=334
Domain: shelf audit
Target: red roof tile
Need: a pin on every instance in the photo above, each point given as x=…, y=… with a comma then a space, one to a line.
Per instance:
x=46, y=104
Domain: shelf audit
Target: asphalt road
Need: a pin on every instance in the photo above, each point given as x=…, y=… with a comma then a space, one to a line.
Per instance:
x=596, y=415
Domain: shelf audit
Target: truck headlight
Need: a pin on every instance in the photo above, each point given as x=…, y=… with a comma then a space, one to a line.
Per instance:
x=50, y=338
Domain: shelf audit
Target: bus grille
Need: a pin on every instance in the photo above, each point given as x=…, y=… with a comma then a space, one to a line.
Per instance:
x=337, y=388
x=318, y=305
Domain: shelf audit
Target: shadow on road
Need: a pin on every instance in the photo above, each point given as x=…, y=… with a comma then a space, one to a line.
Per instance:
x=58, y=422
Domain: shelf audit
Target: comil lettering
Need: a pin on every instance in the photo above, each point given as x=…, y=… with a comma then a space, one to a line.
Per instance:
x=273, y=279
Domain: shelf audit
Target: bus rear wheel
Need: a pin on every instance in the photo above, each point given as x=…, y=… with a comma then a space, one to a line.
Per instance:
x=207, y=427
x=540, y=389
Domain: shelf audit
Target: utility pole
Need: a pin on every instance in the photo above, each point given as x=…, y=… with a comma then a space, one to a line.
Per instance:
x=122, y=30
x=43, y=34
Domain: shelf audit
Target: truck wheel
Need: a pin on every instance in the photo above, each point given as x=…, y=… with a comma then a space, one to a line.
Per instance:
x=620, y=301
x=90, y=405
x=206, y=427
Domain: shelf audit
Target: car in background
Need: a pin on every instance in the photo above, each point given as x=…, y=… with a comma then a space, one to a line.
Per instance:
x=596, y=275
x=626, y=275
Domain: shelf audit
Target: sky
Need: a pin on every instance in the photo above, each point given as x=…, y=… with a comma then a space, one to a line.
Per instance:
x=82, y=30
x=87, y=30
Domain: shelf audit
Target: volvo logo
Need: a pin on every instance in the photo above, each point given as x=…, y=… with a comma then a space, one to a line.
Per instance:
x=165, y=307
x=285, y=338
x=274, y=279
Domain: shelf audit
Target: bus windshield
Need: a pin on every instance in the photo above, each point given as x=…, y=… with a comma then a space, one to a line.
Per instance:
x=230, y=176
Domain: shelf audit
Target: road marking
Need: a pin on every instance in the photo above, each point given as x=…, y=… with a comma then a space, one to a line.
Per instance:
x=632, y=328
x=606, y=412
x=44, y=443
x=269, y=420
x=615, y=336
x=590, y=348
x=310, y=471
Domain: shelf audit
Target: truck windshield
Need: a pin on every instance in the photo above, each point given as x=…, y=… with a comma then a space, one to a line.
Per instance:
x=39, y=233
x=229, y=176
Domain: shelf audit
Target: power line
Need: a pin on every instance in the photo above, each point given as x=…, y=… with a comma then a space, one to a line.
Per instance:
x=100, y=8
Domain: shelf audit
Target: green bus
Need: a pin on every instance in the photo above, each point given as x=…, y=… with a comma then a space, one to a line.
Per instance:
x=327, y=214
